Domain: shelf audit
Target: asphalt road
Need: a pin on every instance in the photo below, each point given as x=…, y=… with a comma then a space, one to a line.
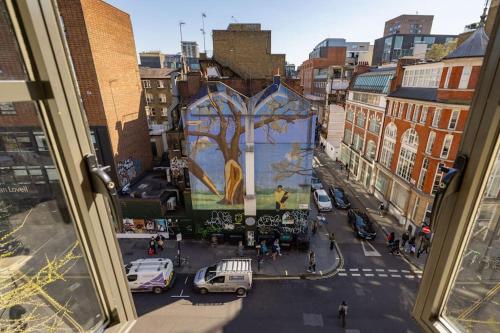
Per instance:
x=378, y=287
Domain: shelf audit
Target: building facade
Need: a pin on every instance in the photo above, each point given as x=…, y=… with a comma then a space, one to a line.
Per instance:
x=423, y=127
x=152, y=59
x=364, y=118
x=409, y=24
x=190, y=49
x=246, y=49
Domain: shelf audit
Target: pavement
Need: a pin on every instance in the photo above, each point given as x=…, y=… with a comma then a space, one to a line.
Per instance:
x=200, y=253
x=355, y=191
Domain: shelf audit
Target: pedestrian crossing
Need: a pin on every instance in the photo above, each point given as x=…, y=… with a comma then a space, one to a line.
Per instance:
x=380, y=273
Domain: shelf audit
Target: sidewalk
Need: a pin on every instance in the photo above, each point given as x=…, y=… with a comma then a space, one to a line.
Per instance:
x=291, y=265
x=356, y=191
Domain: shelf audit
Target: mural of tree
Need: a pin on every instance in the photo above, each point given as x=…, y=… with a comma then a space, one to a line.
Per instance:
x=293, y=163
x=223, y=123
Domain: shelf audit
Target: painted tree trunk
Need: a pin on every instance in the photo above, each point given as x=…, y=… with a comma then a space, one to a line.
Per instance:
x=233, y=183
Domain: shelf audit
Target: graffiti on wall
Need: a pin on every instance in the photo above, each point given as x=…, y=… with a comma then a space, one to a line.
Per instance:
x=177, y=165
x=126, y=171
x=292, y=222
x=220, y=220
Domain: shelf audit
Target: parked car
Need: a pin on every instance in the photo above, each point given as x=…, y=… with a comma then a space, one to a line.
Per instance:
x=339, y=197
x=228, y=275
x=361, y=224
x=152, y=274
x=322, y=200
x=316, y=184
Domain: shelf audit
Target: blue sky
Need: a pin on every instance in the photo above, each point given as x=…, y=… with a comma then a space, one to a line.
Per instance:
x=297, y=26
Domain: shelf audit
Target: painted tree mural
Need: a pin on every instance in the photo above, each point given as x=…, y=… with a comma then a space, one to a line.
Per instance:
x=217, y=124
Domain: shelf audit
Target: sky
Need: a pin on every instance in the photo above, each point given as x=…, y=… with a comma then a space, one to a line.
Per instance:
x=296, y=25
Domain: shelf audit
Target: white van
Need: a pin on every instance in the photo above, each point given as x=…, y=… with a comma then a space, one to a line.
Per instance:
x=229, y=275
x=152, y=274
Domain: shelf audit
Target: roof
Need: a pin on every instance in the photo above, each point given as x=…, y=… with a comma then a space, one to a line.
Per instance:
x=422, y=94
x=156, y=73
x=235, y=265
x=376, y=81
x=474, y=46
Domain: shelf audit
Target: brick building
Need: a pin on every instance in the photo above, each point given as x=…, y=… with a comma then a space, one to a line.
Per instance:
x=102, y=48
x=423, y=126
x=409, y=24
x=246, y=49
x=364, y=117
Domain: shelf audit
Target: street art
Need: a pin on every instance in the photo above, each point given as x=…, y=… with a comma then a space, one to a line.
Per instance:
x=177, y=165
x=220, y=220
x=126, y=171
x=292, y=222
x=268, y=221
x=217, y=126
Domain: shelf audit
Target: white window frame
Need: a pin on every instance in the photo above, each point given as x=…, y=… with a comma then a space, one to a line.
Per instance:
x=447, y=142
x=455, y=114
x=423, y=173
x=465, y=77
x=146, y=84
x=447, y=80
x=407, y=154
x=430, y=142
x=436, y=117
x=423, y=114
x=416, y=113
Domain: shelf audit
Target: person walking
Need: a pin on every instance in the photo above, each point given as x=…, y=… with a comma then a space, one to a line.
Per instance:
x=159, y=241
x=277, y=246
x=404, y=238
x=263, y=248
x=381, y=209
x=395, y=247
x=274, y=252
x=240, y=248
x=411, y=245
x=424, y=246
x=390, y=238
x=343, y=312
x=312, y=262
x=152, y=246
x=332, y=240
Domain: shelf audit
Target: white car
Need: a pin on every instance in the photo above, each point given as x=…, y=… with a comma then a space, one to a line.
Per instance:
x=322, y=200
x=152, y=274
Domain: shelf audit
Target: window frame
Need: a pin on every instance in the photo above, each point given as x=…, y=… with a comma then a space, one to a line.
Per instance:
x=457, y=113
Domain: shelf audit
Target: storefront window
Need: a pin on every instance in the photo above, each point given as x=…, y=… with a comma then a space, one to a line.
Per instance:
x=472, y=304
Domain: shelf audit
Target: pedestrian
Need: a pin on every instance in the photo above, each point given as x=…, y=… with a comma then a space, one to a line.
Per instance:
x=395, y=247
x=151, y=249
x=390, y=239
x=159, y=241
x=274, y=252
x=315, y=226
x=381, y=209
x=411, y=245
x=240, y=248
x=312, y=262
x=404, y=238
x=277, y=246
x=263, y=247
x=332, y=240
x=424, y=246
x=343, y=312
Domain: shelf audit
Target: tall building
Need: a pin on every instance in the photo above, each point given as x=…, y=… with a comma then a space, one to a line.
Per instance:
x=152, y=59
x=423, y=127
x=359, y=52
x=190, y=49
x=409, y=24
x=102, y=47
x=246, y=49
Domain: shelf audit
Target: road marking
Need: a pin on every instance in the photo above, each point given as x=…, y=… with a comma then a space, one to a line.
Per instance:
x=286, y=272
x=342, y=274
x=342, y=270
x=312, y=319
x=418, y=272
x=321, y=272
x=355, y=274
x=380, y=269
x=405, y=271
x=74, y=286
x=353, y=269
x=382, y=275
x=185, y=281
x=367, y=269
x=181, y=295
x=395, y=275
x=419, y=276
x=369, y=253
x=368, y=274
x=409, y=276
x=393, y=270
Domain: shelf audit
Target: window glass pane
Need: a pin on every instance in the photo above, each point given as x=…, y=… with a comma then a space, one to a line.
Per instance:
x=45, y=279
x=473, y=302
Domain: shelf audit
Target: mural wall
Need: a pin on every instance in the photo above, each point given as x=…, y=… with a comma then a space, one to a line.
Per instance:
x=217, y=126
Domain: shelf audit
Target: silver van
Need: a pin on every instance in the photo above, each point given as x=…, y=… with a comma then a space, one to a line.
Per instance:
x=228, y=275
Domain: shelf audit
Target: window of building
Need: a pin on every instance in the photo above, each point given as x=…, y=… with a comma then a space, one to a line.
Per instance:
x=146, y=84
x=430, y=142
x=423, y=115
x=423, y=173
x=149, y=98
x=464, y=79
x=437, y=179
x=448, y=75
x=21, y=175
x=15, y=142
x=389, y=107
x=453, y=119
x=7, y=108
x=437, y=117
x=400, y=110
x=164, y=112
x=407, y=154
x=163, y=98
x=371, y=148
x=374, y=125
x=349, y=115
x=161, y=84
x=416, y=113
x=415, y=208
x=398, y=42
x=388, y=145
x=366, y=98
x=409, y=110
x=382, y=183
x=360, y=119
x=347, y=136
x=41, y=142
x=448, y=139
x=358, y=141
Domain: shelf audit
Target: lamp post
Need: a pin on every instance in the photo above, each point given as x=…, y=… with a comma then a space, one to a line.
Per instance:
x=203, y=15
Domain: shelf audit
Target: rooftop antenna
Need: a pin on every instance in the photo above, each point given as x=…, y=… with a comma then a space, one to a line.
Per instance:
x=203, y=16
x=483, y=17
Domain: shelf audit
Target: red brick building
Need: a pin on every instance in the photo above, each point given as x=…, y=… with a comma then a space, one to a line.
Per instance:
x=423, y=126
x=102, y=48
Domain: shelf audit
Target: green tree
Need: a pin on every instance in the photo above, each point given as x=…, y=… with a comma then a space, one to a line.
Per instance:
x=439, y=51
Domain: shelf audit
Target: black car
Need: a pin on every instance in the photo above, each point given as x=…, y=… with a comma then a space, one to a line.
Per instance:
x=339, y=198
x=361, y=224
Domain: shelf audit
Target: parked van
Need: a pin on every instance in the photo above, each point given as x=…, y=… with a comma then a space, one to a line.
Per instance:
x=229, y=275
x=152, y=274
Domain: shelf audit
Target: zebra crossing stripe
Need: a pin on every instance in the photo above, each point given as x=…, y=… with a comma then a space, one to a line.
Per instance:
x=409, y=276
x=382, y=275
x=369, y=274
x=393, y=270
x=367, y=269
x=395, y=275
x=342, y=274
x=353, y=269
x=379, y=269
x=405, y=271
x=355, y=274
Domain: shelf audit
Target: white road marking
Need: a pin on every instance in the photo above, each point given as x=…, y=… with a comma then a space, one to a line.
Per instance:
x=185, y=281
x=393, y=270
x=405, y=271
x=286, y=272
x=181, y=295
x=342, y=274
x=321, y=272
x=382, y=275
x=369, y=253
x=409, y=276
x=342, y=269
x=395, y=275
x=355, y=274
x=368, y=274
x=419, y=276
x=367, y=269
x=418, y=272
x=380, y=269
x=353, y=269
